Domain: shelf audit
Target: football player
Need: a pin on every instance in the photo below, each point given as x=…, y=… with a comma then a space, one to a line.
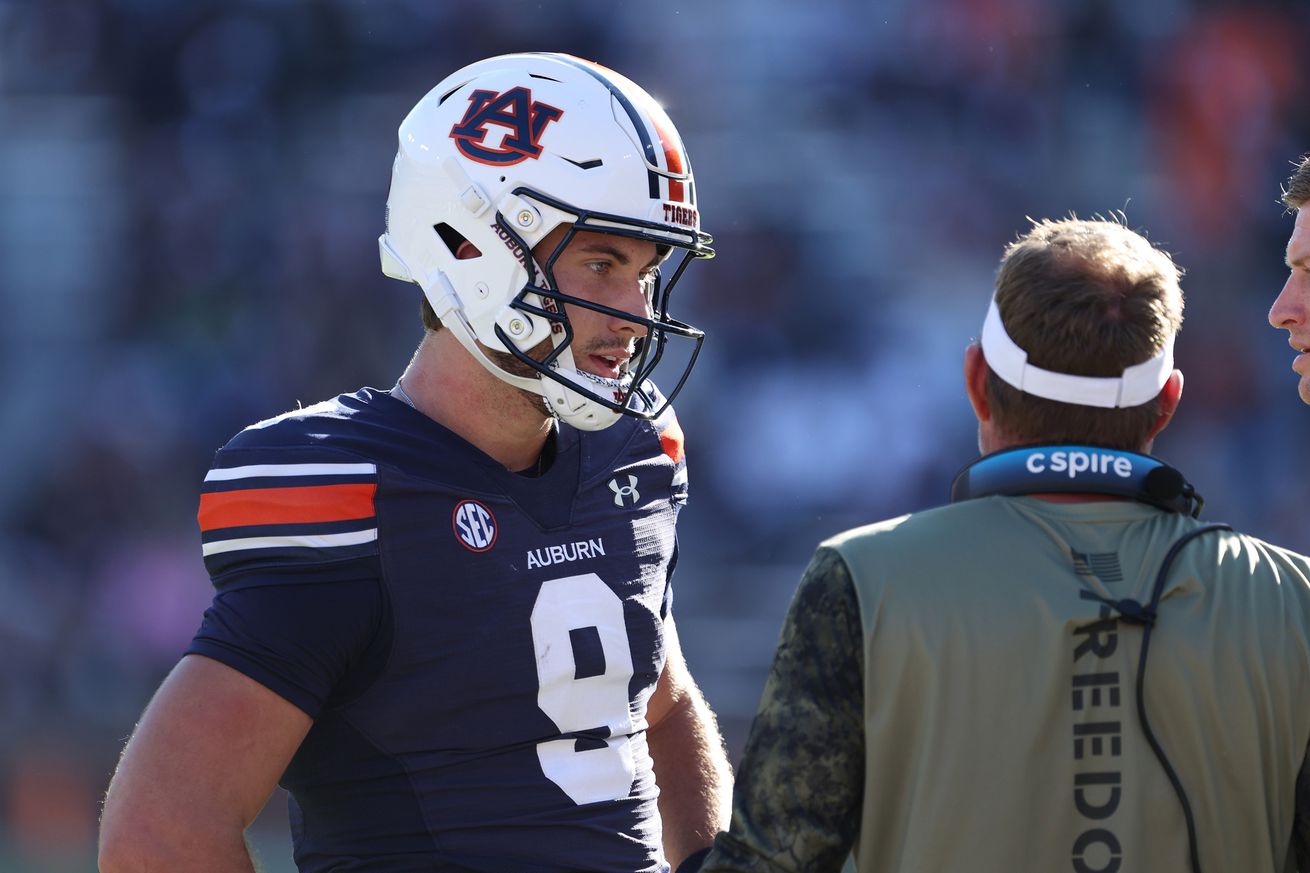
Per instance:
x=442, y=611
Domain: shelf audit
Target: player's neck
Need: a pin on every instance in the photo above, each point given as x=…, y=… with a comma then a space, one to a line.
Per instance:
x=455, y=391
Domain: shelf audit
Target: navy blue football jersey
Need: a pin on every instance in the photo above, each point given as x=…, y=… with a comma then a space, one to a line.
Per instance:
x=476, y=647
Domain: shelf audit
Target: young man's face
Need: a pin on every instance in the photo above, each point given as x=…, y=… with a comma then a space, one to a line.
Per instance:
x=614, y=271
x=1291, y=311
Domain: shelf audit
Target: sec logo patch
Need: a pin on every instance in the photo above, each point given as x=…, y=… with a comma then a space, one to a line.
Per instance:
x=474, y=525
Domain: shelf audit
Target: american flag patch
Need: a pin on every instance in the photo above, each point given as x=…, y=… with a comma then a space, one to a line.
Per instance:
x=275, y=514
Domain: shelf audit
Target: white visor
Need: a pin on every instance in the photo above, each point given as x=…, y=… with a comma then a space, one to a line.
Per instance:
x=1139, y=384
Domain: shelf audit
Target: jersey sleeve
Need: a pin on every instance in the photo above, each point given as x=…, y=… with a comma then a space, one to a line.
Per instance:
x=799, y=790
x=293, y=510
x=666, y=604
x=670, y=437
x=289, y=537
x=312, y=644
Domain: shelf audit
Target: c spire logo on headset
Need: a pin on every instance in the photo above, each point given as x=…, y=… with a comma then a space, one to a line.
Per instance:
x=523, y=118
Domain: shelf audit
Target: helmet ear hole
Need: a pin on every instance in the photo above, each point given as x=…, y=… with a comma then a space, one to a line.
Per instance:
x=459, y=247
x=451, y=237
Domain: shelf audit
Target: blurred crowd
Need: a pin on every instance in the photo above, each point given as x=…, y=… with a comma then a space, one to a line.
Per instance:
x=190, y=195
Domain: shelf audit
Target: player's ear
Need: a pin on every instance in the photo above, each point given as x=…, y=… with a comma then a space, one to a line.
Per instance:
x=1168, y=399
x=975, y=382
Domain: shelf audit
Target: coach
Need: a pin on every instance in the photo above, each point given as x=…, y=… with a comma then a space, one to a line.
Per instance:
x=1063, y=669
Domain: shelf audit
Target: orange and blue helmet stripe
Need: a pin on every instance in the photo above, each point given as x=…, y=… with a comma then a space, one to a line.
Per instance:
x=669, y=156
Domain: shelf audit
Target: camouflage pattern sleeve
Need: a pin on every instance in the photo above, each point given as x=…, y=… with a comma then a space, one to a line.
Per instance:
x=799, y=790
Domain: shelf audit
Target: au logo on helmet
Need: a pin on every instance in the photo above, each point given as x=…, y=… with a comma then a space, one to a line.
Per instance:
x=523, y=118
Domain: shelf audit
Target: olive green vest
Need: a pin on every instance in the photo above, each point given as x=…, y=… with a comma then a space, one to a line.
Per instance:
x=1001, y=723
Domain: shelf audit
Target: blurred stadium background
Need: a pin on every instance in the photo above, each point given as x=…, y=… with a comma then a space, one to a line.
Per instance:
x=190, y=195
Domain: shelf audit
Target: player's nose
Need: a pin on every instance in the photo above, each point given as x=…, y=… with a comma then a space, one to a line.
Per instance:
x=1289, y=307
x=630, y=297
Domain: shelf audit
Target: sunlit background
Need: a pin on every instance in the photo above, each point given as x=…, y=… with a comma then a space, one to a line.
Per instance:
x=191, y=192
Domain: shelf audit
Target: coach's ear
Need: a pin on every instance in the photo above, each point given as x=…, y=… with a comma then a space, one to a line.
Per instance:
x=975, y=382
x=1167, y=399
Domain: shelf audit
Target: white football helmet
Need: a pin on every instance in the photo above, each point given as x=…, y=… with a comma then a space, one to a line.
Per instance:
x=500, y=154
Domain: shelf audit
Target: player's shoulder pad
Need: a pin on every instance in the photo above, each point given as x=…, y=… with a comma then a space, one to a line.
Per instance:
x=279, y=495
x=665, y=425
x=302, y=427
x=669, y=433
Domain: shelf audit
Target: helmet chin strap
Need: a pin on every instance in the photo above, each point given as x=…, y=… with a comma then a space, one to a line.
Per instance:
x=572, y=407
x=569, y=406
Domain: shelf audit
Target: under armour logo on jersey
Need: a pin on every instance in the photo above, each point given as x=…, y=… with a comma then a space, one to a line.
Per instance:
x=474, y=525
x=623, y=492
x=523, y=118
